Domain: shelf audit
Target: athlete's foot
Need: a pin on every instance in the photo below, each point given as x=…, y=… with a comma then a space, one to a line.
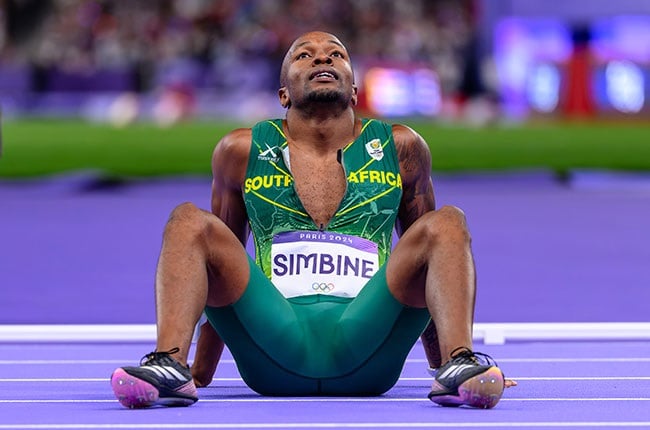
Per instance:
x=159, y=380
x=465, y=381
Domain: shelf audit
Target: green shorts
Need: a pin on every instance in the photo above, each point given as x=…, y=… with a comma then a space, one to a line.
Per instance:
x=318, y=345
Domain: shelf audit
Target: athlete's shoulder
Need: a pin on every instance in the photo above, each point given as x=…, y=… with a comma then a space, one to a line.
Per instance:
x=235, y=145
x=236, y=139
x=230, y=156
x=410, y=143
x=405, y=134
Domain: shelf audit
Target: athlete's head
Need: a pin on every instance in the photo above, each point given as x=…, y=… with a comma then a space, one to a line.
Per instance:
x=317, y=69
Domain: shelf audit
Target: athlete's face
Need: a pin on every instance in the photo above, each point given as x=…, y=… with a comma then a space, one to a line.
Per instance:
x=317, y=68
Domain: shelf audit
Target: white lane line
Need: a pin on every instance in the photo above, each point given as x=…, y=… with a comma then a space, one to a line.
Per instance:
x=235, y=379
x=573, y=360
x=342, y=400
x=490, y=333
x=64, y=362
x=403, y=379
x=122, y=362
x=588, y=424
x=408, y=361
x=554, y=378
x=554, y=360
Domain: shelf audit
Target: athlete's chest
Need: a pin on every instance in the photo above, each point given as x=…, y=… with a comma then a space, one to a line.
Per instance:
x=319, y=183
x=356, y=187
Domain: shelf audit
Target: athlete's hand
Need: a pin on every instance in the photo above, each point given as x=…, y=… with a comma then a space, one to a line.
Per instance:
x=510, y=383
x=208, y=352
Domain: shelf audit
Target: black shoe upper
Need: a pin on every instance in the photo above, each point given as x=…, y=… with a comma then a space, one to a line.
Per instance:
x=162, y=371
x=464, y=364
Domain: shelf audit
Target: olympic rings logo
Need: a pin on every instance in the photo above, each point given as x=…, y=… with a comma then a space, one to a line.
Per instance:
x=322, y=286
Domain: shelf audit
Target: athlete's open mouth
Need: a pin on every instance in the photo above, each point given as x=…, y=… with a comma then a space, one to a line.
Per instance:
x=323, y=75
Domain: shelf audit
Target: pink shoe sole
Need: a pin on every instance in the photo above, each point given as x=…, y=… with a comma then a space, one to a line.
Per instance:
x=132, y=392
x=482, y=391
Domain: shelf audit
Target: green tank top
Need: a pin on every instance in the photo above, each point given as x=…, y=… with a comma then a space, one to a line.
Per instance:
x=368, y=208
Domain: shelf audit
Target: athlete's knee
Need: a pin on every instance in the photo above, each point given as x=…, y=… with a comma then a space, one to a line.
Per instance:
x=185, y=213
x=186, y=219
x=195, y=224
x=448, y=223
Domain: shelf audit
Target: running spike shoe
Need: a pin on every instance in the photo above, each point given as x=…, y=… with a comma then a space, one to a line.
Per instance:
x=159, y=380
x=468, y=379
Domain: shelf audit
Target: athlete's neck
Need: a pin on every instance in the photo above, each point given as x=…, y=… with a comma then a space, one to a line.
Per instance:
x=321, y=132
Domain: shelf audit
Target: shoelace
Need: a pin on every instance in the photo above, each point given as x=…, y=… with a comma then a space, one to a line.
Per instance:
x=466, y=355
x=157, y=355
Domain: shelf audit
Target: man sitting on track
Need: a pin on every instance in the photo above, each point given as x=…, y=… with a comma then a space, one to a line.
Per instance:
x=326, y=308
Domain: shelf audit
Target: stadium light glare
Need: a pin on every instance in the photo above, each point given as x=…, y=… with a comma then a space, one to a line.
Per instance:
x=625, y=86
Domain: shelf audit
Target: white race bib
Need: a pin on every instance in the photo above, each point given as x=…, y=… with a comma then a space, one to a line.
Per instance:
x=321, y=262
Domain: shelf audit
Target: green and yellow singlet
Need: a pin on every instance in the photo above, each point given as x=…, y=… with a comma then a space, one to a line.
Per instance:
x=289, y=244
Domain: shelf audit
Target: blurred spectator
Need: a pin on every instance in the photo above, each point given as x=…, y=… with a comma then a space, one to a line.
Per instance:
x=146, y=46
x=148, y=35
x=578, y=98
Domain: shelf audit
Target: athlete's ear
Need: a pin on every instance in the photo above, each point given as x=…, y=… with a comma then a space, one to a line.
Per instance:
x=283, y=95
x=355, y=95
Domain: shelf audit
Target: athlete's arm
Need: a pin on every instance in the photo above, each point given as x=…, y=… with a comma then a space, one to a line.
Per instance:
x=417, y=198
x=229, y=161
x=415, y=169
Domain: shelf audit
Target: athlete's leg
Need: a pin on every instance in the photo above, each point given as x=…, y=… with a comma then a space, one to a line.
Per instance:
x=374, y=336
x=431, y=345
x=432, y=266
x=201, y=263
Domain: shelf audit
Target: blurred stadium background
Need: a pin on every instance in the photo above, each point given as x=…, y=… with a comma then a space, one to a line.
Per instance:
x=118, y=90
x=490, y=84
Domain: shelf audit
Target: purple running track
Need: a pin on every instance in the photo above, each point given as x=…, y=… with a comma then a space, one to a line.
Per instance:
x=561, y=385
x=73, y=250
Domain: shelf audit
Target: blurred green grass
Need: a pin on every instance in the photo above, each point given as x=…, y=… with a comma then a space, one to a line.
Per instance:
x=33, y=148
